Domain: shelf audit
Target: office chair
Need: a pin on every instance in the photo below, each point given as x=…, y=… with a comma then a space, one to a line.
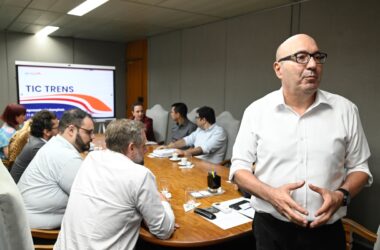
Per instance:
x=160, y=118
x=231, y=127
x=351, y=227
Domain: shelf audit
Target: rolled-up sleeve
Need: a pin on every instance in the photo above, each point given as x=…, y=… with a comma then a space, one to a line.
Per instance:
x=219, y=139
x=244, y=150
x=157, y=214
x=357, y=151
x=190, y=139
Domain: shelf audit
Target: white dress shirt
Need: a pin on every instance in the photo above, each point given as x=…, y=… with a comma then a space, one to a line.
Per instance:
x=213, y=142
x=322, y=147
x=110, y=197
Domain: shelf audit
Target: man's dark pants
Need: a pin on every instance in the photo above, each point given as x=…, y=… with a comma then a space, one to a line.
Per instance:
x=274, y=234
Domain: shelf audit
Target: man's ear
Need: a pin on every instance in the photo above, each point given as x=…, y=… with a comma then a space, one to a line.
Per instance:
x=129, y=151
x=277, y=69
x=71, y=129
x=131, y=147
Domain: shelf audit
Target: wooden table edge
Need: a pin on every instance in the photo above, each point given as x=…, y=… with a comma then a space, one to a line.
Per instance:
x=148, y=237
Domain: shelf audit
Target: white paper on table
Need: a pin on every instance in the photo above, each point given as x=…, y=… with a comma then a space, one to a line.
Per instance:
x=229, y=220
x=234, y=217
x=206, y=193
x=166, y=152
x=250, y=212
x=245, y=209
x=227, y=203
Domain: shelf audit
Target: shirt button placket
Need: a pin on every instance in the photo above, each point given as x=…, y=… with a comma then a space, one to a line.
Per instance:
x=301, y=156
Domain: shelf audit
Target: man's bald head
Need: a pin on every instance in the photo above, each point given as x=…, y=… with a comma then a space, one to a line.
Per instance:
x=294, y=44
x=299, y=74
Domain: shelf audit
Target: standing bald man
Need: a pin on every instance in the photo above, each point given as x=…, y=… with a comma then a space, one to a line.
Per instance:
x=310, y=152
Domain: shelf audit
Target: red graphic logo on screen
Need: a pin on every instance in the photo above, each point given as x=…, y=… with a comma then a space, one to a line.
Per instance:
x=89, y=103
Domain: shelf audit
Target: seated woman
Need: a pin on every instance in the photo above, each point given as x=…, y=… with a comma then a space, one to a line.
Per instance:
x=13, y=116
x=138, y=114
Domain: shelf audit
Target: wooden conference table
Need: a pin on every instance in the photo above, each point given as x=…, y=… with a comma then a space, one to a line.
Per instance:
x=194, y=231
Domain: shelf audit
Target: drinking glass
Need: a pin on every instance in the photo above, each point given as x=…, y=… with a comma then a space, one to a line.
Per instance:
x=164, y=186
x=190, y=200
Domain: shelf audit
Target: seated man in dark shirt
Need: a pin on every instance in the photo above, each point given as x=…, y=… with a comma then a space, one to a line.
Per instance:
x=44, y=126
x=182, y=127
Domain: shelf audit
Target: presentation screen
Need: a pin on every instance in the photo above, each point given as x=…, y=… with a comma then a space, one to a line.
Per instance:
x=60, y=87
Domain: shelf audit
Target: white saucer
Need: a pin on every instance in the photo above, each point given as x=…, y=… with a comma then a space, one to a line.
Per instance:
x=174, y=159
x=187, y=166
x=184, y=165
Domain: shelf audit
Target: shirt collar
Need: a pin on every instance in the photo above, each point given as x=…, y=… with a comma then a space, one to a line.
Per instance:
x=211, y=127
x=185, y=122
x=64, y=141
x=320, y=99
x=278, y=99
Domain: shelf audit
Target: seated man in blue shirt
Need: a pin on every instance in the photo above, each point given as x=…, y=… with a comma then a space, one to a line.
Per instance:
x=209, y=141
x=46, y=183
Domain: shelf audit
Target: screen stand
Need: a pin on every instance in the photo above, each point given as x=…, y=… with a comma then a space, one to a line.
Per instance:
x=101, y=127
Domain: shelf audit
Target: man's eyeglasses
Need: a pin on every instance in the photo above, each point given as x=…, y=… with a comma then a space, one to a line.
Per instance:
x=304, y=57
x=89, y=132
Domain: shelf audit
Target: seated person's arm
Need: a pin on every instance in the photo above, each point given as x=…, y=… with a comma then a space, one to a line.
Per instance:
x=180, y=144
x=5, y=151
x=191, y=151
x=219, y=139
x=4, y=142
x=155, y=210
x=69, y=171
x=177, y=144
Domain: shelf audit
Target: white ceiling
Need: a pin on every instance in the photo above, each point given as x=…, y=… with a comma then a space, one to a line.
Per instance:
x=123, y=20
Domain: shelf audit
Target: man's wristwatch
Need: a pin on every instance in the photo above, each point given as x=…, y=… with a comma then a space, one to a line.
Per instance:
x=346, y=197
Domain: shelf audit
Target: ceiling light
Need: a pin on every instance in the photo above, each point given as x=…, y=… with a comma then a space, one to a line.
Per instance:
x=47, y=30
x=86, y=7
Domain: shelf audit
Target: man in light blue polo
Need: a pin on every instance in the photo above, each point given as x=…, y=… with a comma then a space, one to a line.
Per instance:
x=208, y=142
x=46, y=183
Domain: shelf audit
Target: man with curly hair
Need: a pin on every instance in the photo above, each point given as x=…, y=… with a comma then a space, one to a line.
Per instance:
x=44, y=126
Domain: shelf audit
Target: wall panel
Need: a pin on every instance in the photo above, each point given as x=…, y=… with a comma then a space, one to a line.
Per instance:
x=203, y=66
x=252, y=43
x=164, y=60
x=348, y=31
